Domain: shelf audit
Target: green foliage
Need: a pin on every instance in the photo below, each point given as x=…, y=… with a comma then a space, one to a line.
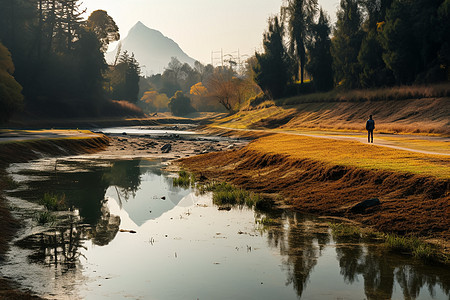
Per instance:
x=184, y=179
x=320, y=59
x=10, y=90
x=104, y=28
x=53, y=202
x=180, y=105
x=346, y=44
x=415, y=247
x=272, y=71
x=342, y=230
x=124, y=78
x=300, y=18
x=228, y=194
x=45, y=217
x=267, y=221
x=413, y=38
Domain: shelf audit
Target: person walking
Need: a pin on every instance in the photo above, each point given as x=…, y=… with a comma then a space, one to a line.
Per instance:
x=370, y=126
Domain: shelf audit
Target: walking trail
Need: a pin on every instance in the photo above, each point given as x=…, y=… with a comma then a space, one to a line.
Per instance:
x=436, y=145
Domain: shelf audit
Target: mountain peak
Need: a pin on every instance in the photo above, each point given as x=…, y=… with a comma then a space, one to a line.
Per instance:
x=151, y=48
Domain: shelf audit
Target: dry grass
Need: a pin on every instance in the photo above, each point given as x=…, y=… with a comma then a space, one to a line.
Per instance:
x=416, y=115
x=353, y=154
x=327, y=177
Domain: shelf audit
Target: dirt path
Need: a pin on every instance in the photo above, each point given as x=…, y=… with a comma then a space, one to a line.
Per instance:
x=414, y=143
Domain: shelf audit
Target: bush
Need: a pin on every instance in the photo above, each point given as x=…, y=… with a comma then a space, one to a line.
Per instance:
x=180, y=105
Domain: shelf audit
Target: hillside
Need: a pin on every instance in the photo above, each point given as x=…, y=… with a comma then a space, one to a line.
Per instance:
x=422, y=114
x=151, y=49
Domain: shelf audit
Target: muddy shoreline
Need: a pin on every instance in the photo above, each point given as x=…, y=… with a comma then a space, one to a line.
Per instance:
x=103, y=146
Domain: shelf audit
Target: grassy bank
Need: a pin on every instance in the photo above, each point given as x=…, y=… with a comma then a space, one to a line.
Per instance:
x=328, y=177
x=418, y=110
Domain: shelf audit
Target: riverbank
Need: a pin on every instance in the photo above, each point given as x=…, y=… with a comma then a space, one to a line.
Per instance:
x=328, y=177
x=21, y=146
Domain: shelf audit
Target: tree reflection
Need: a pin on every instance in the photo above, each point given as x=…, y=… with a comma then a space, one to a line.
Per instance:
x=125, y=176
x=381, y=270
x=301, y=240
x=302, y=243
x=57, y=246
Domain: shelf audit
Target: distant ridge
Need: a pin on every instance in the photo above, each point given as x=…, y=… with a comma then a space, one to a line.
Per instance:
x=151, y=49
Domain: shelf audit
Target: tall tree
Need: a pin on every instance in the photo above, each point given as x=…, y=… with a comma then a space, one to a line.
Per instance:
x=373, y=69
x=104, y=28
x=346, y=43
x=320, y=64
x=124, y=78
x=272, y=72
x=412, y=40
x=300, y=17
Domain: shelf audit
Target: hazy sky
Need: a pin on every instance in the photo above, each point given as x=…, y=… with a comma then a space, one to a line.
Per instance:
x=200, y=26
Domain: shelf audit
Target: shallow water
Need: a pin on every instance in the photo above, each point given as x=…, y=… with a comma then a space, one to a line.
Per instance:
x=184, y=247
x=139, y=130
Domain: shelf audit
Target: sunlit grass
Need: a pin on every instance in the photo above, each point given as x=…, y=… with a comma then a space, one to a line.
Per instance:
x=355, y=154
x=185, y=179
x=415, y=247
x=228, y=194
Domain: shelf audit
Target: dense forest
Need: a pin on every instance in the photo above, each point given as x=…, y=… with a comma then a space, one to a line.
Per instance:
x=52, y=59
x=57, y=59
x=374, y=43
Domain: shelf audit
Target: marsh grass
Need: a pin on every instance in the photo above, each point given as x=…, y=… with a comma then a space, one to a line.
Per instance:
x=267, y=221
x=225, y=193
x=45, y=217
x=185, y=179
x=407, y=245
x=53, y=202
x=341, y=230
x=416, y=247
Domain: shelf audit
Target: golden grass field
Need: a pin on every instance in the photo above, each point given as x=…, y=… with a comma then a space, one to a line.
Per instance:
x=354, y=154
x=426, y=116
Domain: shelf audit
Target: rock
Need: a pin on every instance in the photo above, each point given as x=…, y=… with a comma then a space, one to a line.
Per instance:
x=166, y=148
x=361, y=206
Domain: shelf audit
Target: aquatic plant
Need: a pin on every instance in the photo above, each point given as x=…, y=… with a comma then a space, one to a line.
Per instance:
x=185, y=179
x=267, y=221
x=415, y=247
x=45, y=217
x=53, y=202
x=225, y=193
x=341, y=230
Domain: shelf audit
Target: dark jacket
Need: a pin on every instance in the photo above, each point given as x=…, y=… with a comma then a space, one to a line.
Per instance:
x=370, y=124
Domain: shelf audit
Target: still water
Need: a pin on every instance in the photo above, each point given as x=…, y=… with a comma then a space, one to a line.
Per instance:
x=184, y=247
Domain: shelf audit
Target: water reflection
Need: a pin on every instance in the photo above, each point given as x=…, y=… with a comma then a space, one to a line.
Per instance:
x=139, y=195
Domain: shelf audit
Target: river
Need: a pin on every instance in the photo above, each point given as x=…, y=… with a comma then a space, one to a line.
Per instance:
x=129, y=232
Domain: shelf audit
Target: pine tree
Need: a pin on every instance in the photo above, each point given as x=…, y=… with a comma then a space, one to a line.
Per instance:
x=319, y=50
x=272, y=71
x=346, y=44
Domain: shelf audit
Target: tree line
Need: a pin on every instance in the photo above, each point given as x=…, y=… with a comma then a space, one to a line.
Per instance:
x=57, y=59
x=183, y=89
x=374, y=43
